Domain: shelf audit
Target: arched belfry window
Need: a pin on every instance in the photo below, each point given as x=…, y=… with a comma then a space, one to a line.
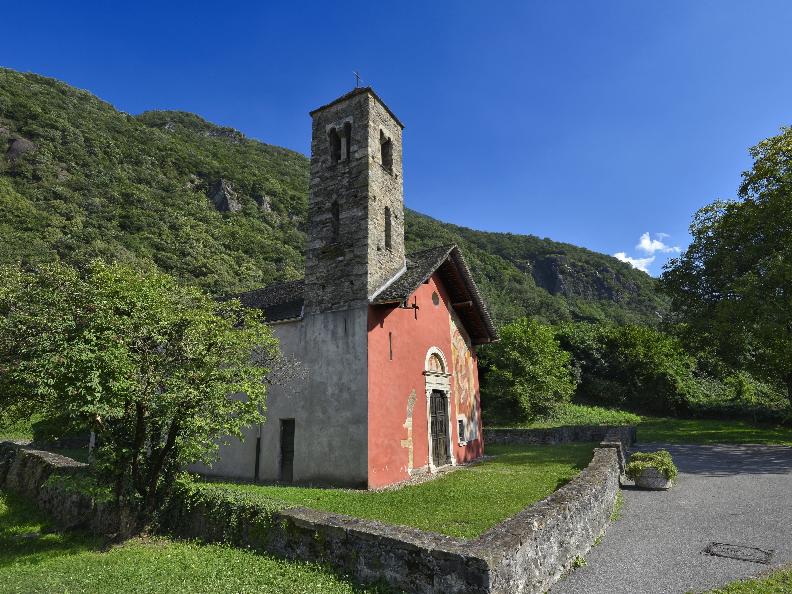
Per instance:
x=335, y=145
x=386, y=152
x=388, y=228
x=335, y=221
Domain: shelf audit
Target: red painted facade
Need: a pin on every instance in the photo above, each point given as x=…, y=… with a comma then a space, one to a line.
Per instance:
x=399, y=340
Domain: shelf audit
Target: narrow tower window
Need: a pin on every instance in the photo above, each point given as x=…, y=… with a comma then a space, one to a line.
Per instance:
x=335, y=221
x=335, y=145
x=347, y=141
x=388, y=232
x=386, y=151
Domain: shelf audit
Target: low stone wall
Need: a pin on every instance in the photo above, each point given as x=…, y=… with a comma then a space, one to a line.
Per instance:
x=566, y=434
x=25, y=471
x=524, y=554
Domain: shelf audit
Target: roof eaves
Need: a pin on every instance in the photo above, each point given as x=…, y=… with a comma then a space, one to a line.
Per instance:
x=352, y=93
x=472, y=288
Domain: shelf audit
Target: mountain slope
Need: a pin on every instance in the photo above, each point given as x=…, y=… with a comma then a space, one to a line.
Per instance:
x=79, y=179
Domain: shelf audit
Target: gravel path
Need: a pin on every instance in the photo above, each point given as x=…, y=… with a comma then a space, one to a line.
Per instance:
x=735, y=494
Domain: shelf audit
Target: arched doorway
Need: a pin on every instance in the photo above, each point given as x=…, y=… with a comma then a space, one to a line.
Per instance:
x=438, y=413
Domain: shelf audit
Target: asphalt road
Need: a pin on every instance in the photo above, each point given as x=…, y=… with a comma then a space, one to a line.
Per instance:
x=735, y=494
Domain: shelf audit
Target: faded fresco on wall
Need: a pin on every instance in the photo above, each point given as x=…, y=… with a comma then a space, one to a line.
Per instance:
x=464, y=380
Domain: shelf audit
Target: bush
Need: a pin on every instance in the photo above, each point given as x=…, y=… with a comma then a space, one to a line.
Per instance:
x=660, y=460
x=234, y=516
x=526, y=375
x=632, y=367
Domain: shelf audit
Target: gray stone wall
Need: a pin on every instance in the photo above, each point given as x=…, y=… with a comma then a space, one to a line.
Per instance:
x=346, y=261
x=25, y=471
x=567, y=434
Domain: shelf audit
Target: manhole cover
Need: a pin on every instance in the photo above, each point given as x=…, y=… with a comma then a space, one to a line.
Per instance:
x=752, y=554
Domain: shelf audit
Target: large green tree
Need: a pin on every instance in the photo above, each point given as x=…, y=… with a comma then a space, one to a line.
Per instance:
x=732, y=287
x=147, y=364
x=526, y=374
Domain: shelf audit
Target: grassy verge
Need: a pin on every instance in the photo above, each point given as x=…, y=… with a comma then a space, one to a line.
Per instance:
x=778, y=582
x=32, y=562
x=670, y=430
x=464, y=503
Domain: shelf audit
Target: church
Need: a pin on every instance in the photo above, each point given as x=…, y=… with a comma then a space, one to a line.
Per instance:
x=387, y=339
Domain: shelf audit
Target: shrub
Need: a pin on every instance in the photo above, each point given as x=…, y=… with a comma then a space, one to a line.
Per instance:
x=143, y=362
x=633, y=367
x=660, y=460
x=527, y=375
x=235, y=516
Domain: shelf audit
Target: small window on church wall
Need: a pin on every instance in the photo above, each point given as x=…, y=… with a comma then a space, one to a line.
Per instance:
x=461, y=429
x=386, y=151
x=335, y=145
x=335, y=220
x=388, y=231
x=435, y=298
x=347, y=138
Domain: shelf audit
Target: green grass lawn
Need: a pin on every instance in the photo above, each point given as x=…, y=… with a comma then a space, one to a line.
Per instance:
x=670, y=430
x=32, y=562
x=463, y=503
x=778, y=582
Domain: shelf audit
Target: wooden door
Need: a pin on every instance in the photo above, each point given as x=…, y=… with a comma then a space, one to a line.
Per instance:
x=287, y=450
x=438, y=407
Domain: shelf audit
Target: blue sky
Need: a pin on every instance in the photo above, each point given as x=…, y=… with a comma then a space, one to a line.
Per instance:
x=587, y=122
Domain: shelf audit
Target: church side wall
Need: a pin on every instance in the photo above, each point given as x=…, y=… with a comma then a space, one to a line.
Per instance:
x=398, y=425
x=328, y=405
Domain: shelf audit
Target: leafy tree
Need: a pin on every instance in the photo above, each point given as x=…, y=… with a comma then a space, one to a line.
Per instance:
x=144, y=362
x=631, y=366
x=527, y=374
x=732, y=287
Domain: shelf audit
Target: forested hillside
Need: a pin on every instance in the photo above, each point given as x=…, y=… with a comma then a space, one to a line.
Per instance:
x=79, y=180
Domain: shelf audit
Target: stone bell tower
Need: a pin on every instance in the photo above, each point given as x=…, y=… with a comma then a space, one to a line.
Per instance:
x=356, y=202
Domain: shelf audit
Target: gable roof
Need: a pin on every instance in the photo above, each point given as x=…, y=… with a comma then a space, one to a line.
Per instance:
x=279, y=302
x=466, y=300
x=284, y=301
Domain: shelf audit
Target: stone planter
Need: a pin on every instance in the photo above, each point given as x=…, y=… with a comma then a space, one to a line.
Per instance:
x=651, y=478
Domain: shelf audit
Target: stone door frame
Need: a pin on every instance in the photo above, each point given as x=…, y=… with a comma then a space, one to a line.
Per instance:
x=438, y=381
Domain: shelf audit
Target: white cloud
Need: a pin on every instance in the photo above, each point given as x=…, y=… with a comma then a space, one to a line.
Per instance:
x=639, y=263
x=650, y=246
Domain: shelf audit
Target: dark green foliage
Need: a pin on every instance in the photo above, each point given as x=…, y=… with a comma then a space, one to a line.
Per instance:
x=145, y=363
x=661, y=460
x=732, y=287
x=528, y=376
x=100, y=183
x=230, y=511
x=632, y=367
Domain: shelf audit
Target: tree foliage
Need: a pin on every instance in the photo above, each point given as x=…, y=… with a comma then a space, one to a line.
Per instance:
x=144, y=362
x=732, y=287
x=632, y=367
x=528, y=375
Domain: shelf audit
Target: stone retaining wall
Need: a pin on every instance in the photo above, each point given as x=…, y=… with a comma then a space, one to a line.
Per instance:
x=25, y=471
x=524, y=554
x=567, y=434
